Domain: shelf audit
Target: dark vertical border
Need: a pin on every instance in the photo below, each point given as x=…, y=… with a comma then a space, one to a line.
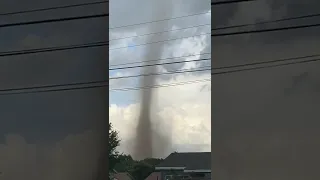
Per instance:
x=213, y=168
x=103, y=163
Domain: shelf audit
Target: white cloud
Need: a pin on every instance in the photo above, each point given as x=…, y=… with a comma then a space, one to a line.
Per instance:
x=120, y=82
x=184, y=112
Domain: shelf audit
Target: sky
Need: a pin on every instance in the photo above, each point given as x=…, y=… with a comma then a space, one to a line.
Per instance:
x=180, y=112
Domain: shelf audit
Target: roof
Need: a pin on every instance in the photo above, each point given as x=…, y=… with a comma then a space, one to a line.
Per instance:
x=187, y=161
x=122, y=176
x=154, y=176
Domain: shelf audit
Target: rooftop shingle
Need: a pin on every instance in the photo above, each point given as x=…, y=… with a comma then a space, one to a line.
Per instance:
x=189, y=160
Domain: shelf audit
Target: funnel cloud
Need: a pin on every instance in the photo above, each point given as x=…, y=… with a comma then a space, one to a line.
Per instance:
x=147, y=136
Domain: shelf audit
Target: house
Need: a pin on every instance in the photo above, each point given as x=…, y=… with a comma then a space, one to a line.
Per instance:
x=154, y=176
x=187, y=165
x=120, y=176
x=123, y=176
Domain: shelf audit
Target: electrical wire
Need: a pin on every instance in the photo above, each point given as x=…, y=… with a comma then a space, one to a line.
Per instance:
x=268, y=22
x=89, y=85
x=52, y=8
x=54, y=20
x=207, y=68
x=160, y=32
x=61, y=87
x=267, y=62
x=265, y=30
x=78, y=46
x=264, y=67
x=156, y=60
x=159, y=41
x=53, y=49
x=213, y=3
x=161, y=85
x=213, y=35
x=104, y=43
x=217, y=73
x=51, y=86
x=228, y=27
x=231, y=33
x=167, y=19
x=158, y=64
x=98, y=84
x=221, y=68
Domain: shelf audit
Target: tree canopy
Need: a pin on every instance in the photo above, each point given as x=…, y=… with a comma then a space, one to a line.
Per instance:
x=114, y=142
x=139, y=170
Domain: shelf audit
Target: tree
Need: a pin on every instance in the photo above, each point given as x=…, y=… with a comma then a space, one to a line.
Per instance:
x=137, y=169
x=114, y=142
x=152, y=161
x=125, y=163
x=141, y=170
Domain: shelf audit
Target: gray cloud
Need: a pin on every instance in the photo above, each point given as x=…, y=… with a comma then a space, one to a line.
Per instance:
x=181, y=8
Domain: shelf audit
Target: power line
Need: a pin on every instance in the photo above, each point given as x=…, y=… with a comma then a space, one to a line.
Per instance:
x=102, y=43
x=51, y=49
x=167, y=19
x=81, y=46
x=60, y=87
x=51, y=86
x=264, y=67
x=54, y=20
x=265, y=30
x=160, y=32
x=161, y=85
x=267, y=62
x=78, y=46
x=205, y=80
x=53, y=8
x=156, y=60
x=92, y=86
x=158, y=64
x=207, y=68
x=213, y=3
x=224, y=67
x=97, y=84
x=159, y=41
x=267, y=22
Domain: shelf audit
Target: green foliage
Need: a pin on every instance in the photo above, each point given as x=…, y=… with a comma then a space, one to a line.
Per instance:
x=152, y=161
x=114, y=142
x=139, y=170
x=125, y=163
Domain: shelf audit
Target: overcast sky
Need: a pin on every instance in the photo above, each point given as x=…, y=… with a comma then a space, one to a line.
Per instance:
x=181, y=112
